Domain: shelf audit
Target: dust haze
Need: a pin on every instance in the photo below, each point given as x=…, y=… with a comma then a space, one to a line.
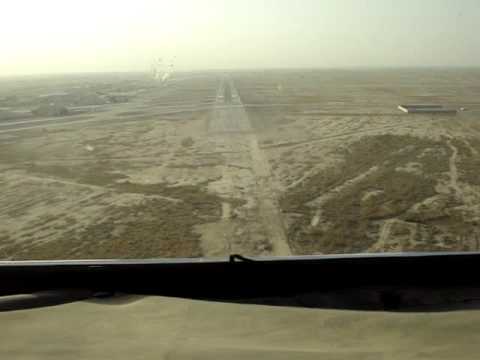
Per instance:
x=56, y=36
x=155, y=129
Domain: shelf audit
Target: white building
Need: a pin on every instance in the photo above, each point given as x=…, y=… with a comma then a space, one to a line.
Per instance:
x=426, y=109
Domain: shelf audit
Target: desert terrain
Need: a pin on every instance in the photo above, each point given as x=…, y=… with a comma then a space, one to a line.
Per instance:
x=258, y=163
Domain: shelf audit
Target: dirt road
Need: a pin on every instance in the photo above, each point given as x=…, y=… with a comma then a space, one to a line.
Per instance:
x=233, y=136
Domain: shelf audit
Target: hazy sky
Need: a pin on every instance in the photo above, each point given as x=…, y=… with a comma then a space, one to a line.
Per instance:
x=51, y=36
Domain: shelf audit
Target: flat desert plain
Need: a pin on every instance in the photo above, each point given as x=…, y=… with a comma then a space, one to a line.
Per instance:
x=258, y=163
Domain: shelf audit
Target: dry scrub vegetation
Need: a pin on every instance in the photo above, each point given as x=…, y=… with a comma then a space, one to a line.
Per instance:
x=380, y=186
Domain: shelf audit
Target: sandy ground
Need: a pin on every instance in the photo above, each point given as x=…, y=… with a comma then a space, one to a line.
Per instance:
x=257, y=163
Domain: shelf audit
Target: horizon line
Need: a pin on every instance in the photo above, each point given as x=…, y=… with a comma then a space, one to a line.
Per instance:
x=234, y=69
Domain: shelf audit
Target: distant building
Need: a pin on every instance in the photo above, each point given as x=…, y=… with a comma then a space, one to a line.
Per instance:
x=426, y=109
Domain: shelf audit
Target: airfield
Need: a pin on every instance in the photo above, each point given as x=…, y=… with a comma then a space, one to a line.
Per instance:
x=258, y=163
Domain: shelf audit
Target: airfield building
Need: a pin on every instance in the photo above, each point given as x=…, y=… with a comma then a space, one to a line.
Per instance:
x=426, y=109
